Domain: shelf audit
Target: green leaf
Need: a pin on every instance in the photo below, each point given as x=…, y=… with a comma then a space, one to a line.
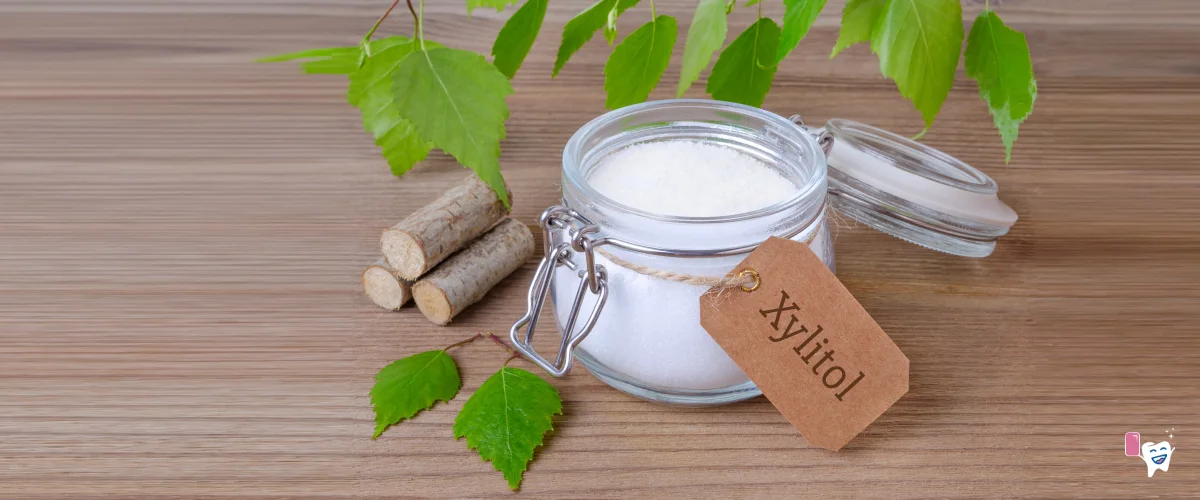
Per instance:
x=582, y=27
x=307, y=54
x=610, y=26
x=334, y=60
x=705, y=36
x=918, y=43
x=997, y=57
x=517, y=36
x=858, y=20
x=379, y=67
x=506, y=418
x=499, y=5
x=412, y=384
x=745, y=69
x=751, y=3
x=371, y=92
x=455, y=99
x=798, y=17
x=636, y=65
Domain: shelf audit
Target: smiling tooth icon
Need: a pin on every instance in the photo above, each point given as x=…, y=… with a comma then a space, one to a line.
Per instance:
x=1157, y=456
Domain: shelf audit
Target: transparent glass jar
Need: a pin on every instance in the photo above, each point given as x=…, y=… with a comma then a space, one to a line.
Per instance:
x=639, y=339
x=604, y=261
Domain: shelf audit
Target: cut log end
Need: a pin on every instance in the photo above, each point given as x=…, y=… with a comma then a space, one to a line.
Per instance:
x=404, y=253
x=465, y=277
x=384, y=288
x=433, y=303
x=437, y=230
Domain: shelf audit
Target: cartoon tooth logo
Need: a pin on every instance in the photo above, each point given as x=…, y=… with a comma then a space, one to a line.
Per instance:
x=1157, y=456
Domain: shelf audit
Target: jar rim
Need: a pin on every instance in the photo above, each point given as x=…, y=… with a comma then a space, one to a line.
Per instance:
x=573, y=156
x=911, y=156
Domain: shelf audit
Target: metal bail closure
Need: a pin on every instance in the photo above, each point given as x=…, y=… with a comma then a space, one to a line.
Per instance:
x=593, y=280
x=823, y=137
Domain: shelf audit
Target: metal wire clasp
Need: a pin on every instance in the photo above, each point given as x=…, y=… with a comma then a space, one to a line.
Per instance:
x=823, y=137
x=581, y=237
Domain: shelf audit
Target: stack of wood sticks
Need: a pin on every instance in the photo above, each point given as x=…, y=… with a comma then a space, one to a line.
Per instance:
x=448, y=254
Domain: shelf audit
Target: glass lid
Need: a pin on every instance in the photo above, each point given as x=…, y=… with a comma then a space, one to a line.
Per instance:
x=914, y=192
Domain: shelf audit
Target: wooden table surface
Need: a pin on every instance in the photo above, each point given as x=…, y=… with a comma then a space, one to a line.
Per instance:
x=182, y=231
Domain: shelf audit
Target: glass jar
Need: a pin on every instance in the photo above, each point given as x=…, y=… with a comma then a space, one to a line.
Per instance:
x=620, y=279
x=648, y=340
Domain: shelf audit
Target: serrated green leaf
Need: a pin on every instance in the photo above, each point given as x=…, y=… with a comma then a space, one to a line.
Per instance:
x=636, y=65
x=499, y=5
x=583, y=26
x=371, y=92
x=412, y=384
x=507, y=418
x=334, y=60
x=745, y=69
x=306, y=54
x=455, y=99
x=918, y=43
x=997, y=57
x=386, y=42
x=377, y=68
x=798, y=18
x=858, y=20
x=705, y=36
x=517, y=37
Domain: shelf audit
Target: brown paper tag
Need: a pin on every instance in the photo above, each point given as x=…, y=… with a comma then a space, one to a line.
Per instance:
x=808, y=345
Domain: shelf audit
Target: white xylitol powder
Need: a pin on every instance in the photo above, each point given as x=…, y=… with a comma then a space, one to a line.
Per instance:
x=689, y=178
x=650, y=328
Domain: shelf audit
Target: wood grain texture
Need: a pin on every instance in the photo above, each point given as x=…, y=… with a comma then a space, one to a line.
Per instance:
x=182, y=232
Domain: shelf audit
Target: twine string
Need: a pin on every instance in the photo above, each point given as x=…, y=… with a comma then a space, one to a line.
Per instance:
x=744, y=279
x=748, y=279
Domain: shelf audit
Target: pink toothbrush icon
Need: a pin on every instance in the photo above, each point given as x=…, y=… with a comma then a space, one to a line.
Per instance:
x=1133, y=444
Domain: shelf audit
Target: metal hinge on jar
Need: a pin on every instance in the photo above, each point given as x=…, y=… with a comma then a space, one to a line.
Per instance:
x=823, y=137
x=592, y=280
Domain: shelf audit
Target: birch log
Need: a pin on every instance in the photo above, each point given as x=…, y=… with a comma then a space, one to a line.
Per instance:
x=429, y=235
x=464, y=278
x=384, y=288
